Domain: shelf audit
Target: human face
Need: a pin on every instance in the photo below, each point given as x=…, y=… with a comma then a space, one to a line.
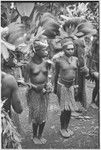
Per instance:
x=42, y=51
x=69, y=50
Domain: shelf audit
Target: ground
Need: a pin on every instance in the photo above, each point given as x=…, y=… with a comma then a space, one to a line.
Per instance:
x=86, y=130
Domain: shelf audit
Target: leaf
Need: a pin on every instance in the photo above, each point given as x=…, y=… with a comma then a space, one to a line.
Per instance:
x=2, y=102
x=16, y=138
x=16, y=33
x=6, y=129
x=25, y=49
x=35, y=17
x=15, y=27
x=7, y=45
x=4, y=51
x=46, y=17
x=69, y=11
x=19, y=19
x=5, y=143
x=39, y=32
x=11, y=137
x=4, y=123
x=86, y=28
x=64, y=17
x=4, y=31
x=25, y=9
x=3, y=8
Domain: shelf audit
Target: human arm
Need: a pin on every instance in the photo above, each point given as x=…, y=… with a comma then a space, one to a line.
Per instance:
x=94, y=69
x=26, y=72
x=10, y=90
x=15, y=97
x=83, y=67
x=56, y=75
x=94, y=74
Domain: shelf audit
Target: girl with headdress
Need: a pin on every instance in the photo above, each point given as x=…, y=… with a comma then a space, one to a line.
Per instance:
x=38, y=92
x=66, y=67
x=37, y=74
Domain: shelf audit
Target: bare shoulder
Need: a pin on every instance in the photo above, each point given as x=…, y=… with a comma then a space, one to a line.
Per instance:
x=9, y=80
x=75, y=58
x=48, y=61
x=7, y=76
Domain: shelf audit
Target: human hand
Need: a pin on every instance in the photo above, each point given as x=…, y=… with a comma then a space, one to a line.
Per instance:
x=96, y=75
x=39, y=88
x=84, y=70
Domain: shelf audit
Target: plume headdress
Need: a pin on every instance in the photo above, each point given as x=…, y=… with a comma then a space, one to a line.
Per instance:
x=20, y=38
x=73, y=31
x=75, y=28
x=50, y=25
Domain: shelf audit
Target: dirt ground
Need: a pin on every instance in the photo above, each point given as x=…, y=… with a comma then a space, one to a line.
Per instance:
x=86, y=130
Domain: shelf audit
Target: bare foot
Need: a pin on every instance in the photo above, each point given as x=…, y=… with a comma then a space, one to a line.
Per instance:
x=75, y=114
x=93, y=105
x=70, y=132
x=80, y=107
x=66, y=134
x=43, y=141
x=37, y=141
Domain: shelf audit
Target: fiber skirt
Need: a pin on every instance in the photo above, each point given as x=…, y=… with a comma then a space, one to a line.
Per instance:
x=66, y=97
x=38, y=104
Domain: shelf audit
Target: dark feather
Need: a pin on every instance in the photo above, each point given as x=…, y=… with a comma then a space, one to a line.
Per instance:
x=78, y=27
x=72, y=22
x=50, y=25
x=16, y=30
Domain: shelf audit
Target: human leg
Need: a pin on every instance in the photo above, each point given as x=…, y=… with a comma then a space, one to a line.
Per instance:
x=64, y=121
x=66, y=107
x=68, y=117
x=72, y=103
x=41, y=128
x=34, y=128
x=35, y=131
x=95, y=90
x=95, y=95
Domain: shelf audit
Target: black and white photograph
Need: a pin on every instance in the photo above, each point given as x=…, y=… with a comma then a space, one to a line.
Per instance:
x=50, y=74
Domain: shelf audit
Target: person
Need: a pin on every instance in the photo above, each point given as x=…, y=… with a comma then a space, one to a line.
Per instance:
x=10, y=91
x=94, y=71
x=65, y=68
x=36, y=75
x=95, y=94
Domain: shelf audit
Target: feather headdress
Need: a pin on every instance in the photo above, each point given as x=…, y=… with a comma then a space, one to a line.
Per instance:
x=50, y=25
x=23, y=37
x=76, y=28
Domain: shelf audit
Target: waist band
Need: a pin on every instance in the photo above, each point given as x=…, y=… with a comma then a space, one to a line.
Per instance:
x=66, y=81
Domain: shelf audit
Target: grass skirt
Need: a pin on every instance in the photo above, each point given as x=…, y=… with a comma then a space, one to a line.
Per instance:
x=37, y=103
x=66, y=97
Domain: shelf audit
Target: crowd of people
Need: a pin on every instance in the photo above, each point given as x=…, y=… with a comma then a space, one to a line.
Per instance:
x=64, y=69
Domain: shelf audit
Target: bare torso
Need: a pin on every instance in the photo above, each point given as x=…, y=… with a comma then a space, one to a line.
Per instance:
x=38, y=72
x=68, y=68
